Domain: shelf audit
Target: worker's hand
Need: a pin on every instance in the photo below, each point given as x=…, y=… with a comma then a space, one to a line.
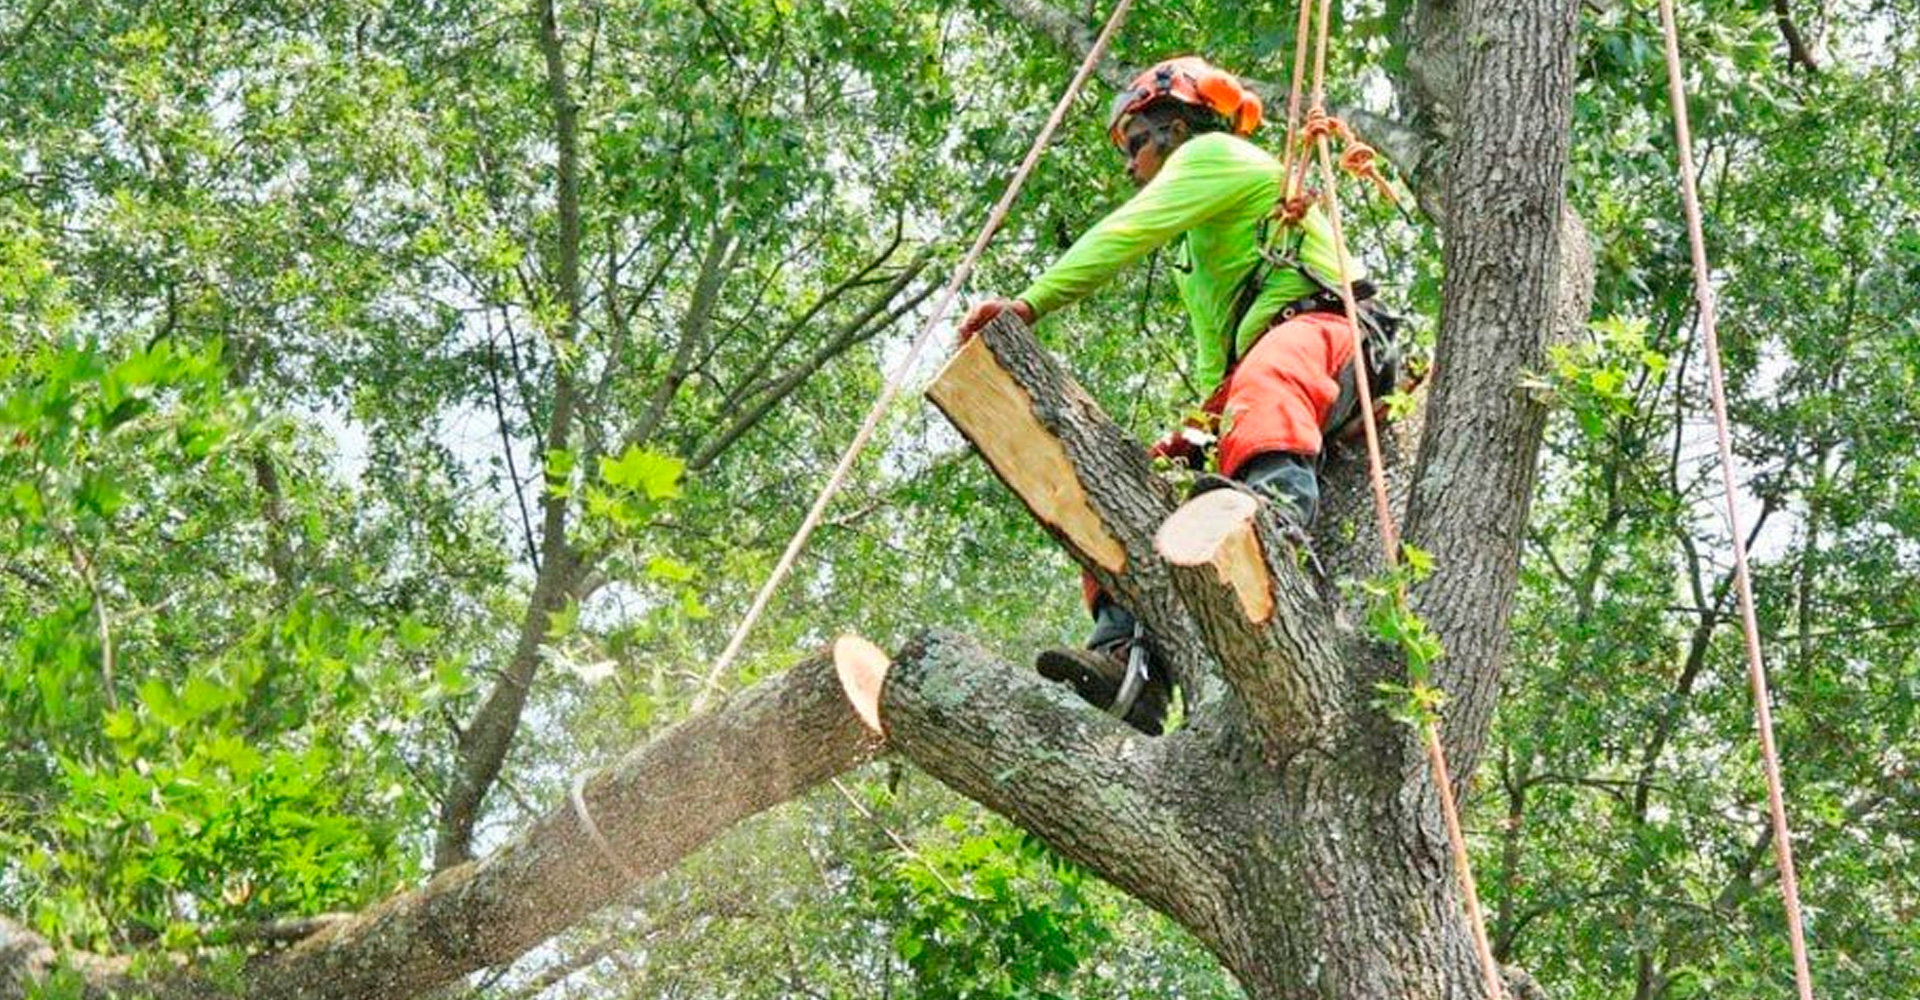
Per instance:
x=980, y=315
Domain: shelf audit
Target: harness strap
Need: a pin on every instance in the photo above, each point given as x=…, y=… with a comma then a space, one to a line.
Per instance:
x=1325, y=299
x=1380, y=326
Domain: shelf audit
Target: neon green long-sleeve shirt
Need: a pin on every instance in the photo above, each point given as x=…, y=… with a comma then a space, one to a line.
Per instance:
x=1216, y=189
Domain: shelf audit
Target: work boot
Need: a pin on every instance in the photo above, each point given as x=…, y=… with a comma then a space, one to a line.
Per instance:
x=1098, y=671
x=1096, y=675
x=1285, y=479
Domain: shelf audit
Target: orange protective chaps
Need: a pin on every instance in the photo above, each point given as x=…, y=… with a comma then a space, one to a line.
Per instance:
x=1277, y=398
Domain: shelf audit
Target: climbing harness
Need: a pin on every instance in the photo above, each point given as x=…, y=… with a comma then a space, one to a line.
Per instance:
x=711, y=682
x=1756, y=669
x=1317, y=131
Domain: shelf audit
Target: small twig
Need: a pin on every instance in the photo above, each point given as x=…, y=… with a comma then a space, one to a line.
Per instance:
x=84, y=567
x=29, y=576
x=858, y=514
x=1545, y=549
x=519, y=797
x=288, y=931
x=506, y=447
x=898, y=841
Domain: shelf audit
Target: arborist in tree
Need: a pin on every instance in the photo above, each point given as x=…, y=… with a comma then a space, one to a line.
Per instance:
x=1269, y=331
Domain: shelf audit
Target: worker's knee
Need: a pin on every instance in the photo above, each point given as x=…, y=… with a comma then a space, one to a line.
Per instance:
x=1283, y=391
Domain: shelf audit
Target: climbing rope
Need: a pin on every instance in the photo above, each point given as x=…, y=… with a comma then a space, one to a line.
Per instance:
x=1319, y=130
x=1300, y=31
x=711, y=682
x=577, y=795
x=1756, y=669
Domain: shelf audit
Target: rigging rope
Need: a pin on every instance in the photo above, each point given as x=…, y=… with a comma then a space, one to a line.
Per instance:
x=711, y=682
x=1300, y=32
x=1756, y=669
x=1357, y=159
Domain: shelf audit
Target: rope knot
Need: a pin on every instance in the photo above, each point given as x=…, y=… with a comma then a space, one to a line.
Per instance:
x=1319, y=124
x=1292, y=210
x=1361, y=160
x=1358, y=159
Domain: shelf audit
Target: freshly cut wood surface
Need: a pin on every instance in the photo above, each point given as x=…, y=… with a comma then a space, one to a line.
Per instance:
x=862, y=667
x=996, y=414
x=1217, y=529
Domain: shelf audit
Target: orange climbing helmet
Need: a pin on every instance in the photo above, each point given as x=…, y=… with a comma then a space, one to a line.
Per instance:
x=1189, y=80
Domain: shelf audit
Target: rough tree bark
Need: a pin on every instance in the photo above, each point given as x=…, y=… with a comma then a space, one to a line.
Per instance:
x=1289, y=825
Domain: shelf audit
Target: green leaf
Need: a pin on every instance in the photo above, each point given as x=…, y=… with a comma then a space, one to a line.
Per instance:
x=670, y=570
x=159, y=699
x=415, y=635
x=563, y=620
x=649, y=473
x=101, y=494
x=119, y=726
x=559, y=471
x=908, y=943
x=1419, y=560
x=202, y=697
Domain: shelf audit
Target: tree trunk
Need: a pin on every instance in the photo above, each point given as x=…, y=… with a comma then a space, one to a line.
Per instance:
x=1291, y=827
x=490, y=734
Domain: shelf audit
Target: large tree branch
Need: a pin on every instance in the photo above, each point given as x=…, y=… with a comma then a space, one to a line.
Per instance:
x=654, y=806
x=1083, y=478
x=487, y=737
x=1271, y=629
x=27, y=959
x=1210, y=589
x=1093, y=788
